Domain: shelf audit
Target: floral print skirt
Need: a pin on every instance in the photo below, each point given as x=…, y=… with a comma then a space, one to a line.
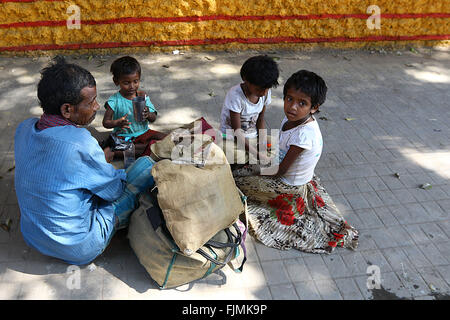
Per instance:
x=300, y=217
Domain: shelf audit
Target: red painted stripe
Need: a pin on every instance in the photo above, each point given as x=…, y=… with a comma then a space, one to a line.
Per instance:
x=1, y=1
x=223, y=17
x=193, y=42
x=33, y=24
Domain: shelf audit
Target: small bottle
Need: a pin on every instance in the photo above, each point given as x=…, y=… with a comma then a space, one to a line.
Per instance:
x=128, y=156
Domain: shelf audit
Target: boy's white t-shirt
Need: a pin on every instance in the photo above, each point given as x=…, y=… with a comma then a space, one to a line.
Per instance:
x=236, y=101
x=308, y=137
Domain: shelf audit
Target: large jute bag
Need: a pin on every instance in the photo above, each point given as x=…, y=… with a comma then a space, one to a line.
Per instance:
x=196, y=188
x=161, y=257
x=197, y=202
x=196, y=135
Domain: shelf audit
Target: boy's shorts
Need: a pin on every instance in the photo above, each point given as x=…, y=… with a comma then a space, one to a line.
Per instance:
x=148, y=137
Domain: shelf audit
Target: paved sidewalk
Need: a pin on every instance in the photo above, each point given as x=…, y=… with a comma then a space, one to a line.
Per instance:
x=386, y=131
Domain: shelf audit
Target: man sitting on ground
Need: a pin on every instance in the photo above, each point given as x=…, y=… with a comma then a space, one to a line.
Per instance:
x=71, y=199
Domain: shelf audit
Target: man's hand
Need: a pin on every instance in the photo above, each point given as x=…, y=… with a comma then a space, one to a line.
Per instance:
x=109, y=154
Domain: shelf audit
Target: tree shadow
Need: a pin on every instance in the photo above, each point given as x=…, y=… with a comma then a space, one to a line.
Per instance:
x=399, y=104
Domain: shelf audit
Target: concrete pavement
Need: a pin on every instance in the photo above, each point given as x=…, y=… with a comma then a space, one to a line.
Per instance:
x=386, y=132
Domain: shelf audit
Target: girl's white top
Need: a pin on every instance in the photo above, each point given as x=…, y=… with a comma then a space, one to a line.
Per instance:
x=308, y=137
x=236, y=101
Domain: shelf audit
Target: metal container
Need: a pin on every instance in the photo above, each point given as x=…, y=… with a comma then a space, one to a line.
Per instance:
x=138, y=108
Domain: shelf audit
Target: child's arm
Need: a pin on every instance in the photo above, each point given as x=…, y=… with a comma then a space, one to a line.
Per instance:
x=109, y=123
x=277, y=171
x=147, y=114
x=150, y=116
x=235, y=119
x=260, y=123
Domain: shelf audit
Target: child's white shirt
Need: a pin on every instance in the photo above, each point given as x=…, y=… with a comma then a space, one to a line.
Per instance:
x=308, y=137
x=236, y=101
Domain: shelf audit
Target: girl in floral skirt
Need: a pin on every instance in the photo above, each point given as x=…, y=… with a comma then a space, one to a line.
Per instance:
x=288, y=208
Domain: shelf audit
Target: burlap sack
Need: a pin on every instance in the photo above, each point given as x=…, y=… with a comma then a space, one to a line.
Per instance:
x=191, y=134
x=162, y=149
x=160, y=256
x=196, y=202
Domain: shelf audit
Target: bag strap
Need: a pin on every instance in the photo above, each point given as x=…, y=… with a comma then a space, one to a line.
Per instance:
x=232, y=244
x=244, y=234
x=215, y=261
x=240, y=240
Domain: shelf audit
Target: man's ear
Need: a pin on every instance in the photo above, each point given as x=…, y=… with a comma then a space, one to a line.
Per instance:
x=66, y=109
x=116, y=82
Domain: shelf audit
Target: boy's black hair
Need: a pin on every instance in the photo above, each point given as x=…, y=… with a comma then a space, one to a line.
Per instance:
x=261, y=71
x=310, y=84
x=60, y=83
x=125, y=65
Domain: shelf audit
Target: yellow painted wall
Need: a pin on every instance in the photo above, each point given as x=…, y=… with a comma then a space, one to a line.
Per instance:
x=32, y=26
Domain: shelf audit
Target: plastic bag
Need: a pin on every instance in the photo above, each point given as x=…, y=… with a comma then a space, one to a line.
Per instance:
x=116, y=143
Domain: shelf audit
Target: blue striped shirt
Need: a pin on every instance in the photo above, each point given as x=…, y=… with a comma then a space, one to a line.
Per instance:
x=65, y=190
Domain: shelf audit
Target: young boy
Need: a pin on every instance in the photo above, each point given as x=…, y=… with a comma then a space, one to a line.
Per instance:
x=245, y=103
x=119, y=107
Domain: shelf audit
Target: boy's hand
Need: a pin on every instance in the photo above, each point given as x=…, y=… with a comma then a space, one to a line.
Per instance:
x=141, y=94
x=123, y=122
x=263, y=159
x=150, y=116
x=145, y=113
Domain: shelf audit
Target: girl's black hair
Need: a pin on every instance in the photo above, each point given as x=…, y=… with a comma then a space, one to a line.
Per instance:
x=124, y=66
x=310, y=84
x=261, y=71
x=60, y=83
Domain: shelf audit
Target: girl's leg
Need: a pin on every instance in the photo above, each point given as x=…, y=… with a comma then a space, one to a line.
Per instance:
x=139, y=179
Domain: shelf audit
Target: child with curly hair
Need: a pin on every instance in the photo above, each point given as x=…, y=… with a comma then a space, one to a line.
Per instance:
x=288, y=208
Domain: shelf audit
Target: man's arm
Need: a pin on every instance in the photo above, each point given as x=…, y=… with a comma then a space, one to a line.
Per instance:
x=109, y=154
x=96, y=174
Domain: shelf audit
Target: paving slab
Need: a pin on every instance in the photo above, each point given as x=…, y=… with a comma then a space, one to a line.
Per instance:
x=400, y=127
